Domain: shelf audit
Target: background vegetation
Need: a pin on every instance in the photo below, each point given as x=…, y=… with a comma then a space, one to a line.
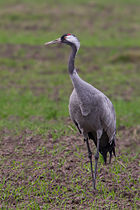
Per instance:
x=43, y=160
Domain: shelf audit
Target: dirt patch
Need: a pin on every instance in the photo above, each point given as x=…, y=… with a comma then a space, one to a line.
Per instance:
x=61, y=162
x=38, y=52
x=24, y=51
x=132, y=56
x=48, y=62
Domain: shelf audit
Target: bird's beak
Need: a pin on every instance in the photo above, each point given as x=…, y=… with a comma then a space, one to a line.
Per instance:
x=54, y=42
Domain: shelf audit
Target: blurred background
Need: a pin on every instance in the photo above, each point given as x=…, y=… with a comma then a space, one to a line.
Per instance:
x=34, y=81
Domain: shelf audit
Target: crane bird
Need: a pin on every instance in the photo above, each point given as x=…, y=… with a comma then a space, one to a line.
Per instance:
x=90, y=110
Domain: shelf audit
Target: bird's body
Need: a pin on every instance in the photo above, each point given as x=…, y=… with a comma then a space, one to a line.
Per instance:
x=90, y=110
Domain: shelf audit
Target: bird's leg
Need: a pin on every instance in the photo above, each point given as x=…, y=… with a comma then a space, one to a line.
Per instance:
x=96, y=162
x=99, y=133
x=90, y=158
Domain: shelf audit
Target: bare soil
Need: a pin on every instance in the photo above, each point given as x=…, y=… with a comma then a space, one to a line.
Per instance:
x=25, y=149
x=38, y=52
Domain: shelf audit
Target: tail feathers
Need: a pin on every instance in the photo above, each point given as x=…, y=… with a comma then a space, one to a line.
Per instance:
x=104, y=146
x=108, y=148
x=113, y=150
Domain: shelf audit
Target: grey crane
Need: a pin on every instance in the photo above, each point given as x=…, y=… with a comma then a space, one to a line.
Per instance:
x=91, y=111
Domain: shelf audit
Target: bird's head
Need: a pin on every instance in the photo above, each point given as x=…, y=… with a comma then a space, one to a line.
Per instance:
x=68, y=39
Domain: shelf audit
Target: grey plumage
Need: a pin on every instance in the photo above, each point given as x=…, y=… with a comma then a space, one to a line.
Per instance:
x=90, y=110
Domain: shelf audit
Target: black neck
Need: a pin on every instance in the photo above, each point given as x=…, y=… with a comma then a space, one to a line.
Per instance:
x=72, y=59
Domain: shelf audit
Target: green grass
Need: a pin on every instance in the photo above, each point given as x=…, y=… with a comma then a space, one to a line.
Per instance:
x=127, y=112
x=43, y=160
x=118, y=28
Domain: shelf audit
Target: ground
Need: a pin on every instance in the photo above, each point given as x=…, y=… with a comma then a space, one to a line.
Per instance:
x=43, y=159
x=43, y=172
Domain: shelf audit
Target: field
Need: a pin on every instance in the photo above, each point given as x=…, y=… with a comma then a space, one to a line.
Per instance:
x=43, y=159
